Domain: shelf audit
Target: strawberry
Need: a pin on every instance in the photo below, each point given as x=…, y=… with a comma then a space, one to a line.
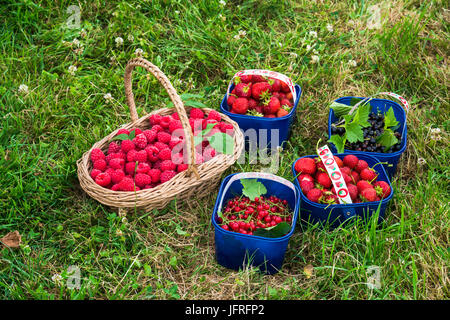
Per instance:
x=244, y=90
x=338, y=161
x=382, y=188
x=306, y=186
x=363, y=184
x=324, y=180
x=286, y=102
x=258, y=78
x=331, y=199
x=361, y=165
x=350, y=161
x=231, y=98
x=346, y=170
x=368, y=194
x=282, y=112
x=252, y=104
x=368, y=175
x=273, y=105
x=355, y=177
x=306, y=177
x=347, y=178
x=284, y=87
x=353, y=191
x=314, y=195
x=275, y=85
x=243, y=79
x=260, y=90
x=240, y=105
x=305, y=165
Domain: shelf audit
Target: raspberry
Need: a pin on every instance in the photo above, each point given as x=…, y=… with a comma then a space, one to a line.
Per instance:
x=198, y=158
x=127, y=145
x=214, y=115
x=157, y=128
x=95, y=173
x=157, y=164
x=109, y=171
x=150, y=135
x=143, y=168
x=142, y=179
x=178, y=158
x=175, y=125
x=196, y=124
x=117, y=163
x=115, y=187
x=175, y=116
x=103, y=179
x=226, y=128
x=168, y=165
x=165, y=154
x=127, y=184
x=117, y=176
x=161, y=145
x=155, y=119
x=130, y=167
x=182, y=167
x=155, y=175
x=165, y=121
x=141, y=156
x=173, y=142
x=152, y=153
x=100, y=164
x=131, y=155
x=209, y=121
x=97, y=154
x=113, y=148
x=122, y=131
x=167, y=175
x=137, y=131
x=208, y=154
x=350, y=161
x=140, y=141
x=163, y=137
x=196, y=113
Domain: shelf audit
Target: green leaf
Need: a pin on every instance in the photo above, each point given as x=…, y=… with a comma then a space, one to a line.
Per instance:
x=354, y=101
x=387, y=139
x=121, y=137
x=354, y=132
x=362, y=115
x=277, y=231
x=222, y=142
x=132, y=134
x=338, y=141
x=253, y=188
x=195, y=104
x=340, y=109
x=389, y=119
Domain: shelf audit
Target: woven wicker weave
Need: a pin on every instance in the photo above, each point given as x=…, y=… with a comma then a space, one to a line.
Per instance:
x=195, y=182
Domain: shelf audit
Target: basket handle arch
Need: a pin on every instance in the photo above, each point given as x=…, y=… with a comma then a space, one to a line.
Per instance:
x=174, y=97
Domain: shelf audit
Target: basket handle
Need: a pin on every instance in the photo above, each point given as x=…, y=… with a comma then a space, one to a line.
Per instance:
x=178, y=103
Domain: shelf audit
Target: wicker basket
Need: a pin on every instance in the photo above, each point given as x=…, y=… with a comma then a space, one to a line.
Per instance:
x=195, y=182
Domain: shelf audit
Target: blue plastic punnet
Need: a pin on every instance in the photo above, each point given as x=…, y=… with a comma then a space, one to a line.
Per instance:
x=378, y=105
x=339, y=214
x=264, y=132
x=235, y=250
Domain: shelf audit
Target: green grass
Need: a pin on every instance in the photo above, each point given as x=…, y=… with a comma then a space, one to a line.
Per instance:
x=170, y=254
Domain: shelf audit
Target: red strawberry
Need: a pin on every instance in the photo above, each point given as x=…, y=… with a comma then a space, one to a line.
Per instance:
x=243, y=79
x=338, y=161
x=306, y=186
x=355, y=177
x=368, y=175
x=240, y=105
x=314, y=195
x=350, y=161
x=230, y=100
x=258, y=78
x=260, y=90
x=353, y=191
x=361, y=165
x=286, y=102
x=305, y=176
x=284, y=87
x=305, y=165
x=244, y=90
x=363, y=184
x=324, y=180
x=275, y=85
x=368, y=194
x=273, y=105
x=346, y=170
x=252, y=104
x=382, y=188
x=331, y=199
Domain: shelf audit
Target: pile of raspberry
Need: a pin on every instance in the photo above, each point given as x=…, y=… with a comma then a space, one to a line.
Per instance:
x=154, y=155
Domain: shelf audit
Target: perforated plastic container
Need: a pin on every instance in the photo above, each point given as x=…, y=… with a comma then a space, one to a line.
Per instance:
x=335, y=215
x=378, y=105
x=235, y=250
x=268, y=132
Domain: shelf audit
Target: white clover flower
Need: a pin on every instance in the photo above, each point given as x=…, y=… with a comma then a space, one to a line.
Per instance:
x=435, y=134
x=308, y=47
x=315, y=59
x=222, y=3
x=293, y=55
x=177, y=12
x=351, y=22
x=108, y=97
x=315, y=51
x=330, y=28
x=57, y=278
x=119, y=41
x=240, y=35
x=421, y=161
x=352, y=63
x=139, y=52
x=130, y=38
x=313, y=34
x=119, y=233
x=72, y=70
x=76, y=42
x=83, y=33
x=221, y=17
x=23, y=89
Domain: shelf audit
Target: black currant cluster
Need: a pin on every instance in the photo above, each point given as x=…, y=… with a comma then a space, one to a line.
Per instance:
x=370, y=136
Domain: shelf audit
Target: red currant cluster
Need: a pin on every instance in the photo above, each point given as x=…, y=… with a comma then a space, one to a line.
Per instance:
x=245, y=216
